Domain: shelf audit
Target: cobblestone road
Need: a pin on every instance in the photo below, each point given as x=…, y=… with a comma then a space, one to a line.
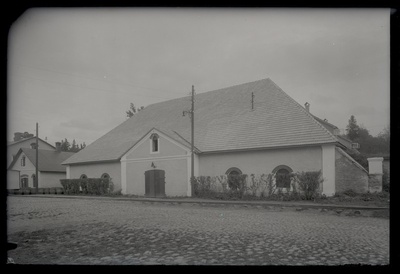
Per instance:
x=89, y=231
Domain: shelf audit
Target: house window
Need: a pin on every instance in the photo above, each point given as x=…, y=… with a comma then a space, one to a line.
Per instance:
x=233, y=177
x=233, y=171
x=83, y=176
x=282, y=175
x=154, y=143
x=24, y=181
x=23, y=161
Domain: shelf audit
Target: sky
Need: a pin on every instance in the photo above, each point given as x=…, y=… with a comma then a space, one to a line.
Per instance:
x=75, y=71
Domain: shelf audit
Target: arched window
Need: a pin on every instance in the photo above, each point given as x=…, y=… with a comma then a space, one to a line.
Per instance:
x=83, y=176
x=234, y=180
x=233, y=171
x=23, y=161
x=24, y=181
x=154, y=142
x=282, y=175
x=105, y=176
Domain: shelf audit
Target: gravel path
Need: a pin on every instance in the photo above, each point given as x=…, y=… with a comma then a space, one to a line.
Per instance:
x=86, y=231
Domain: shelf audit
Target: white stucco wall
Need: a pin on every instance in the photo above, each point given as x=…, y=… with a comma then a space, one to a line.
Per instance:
x=262, y=161
x=176, y=176
x=329, y=169
x=96, y=170
x=13, y=179
x=29, y=169
x=50, y=179
x=166, y=149
x=173, y=158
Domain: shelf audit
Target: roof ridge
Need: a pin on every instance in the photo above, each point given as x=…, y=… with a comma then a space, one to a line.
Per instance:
x=307, y=112
x=323, y=121
x=25, y=139
x=214, y=90
x=242, y=84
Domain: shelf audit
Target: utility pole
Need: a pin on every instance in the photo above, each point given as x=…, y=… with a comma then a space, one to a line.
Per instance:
x=37, y=158
x=191, y=114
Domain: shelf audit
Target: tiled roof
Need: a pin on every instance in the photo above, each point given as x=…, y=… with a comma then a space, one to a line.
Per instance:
x=224, y=120
x=10, y=143
x=49, y=160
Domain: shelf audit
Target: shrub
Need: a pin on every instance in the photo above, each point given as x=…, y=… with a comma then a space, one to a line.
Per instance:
x=270, y=183
x=94, y=186
x=202, y=186
x=385, y=181
x=116, y=193
x=309, y=183
x=255, y=183
x=237, y=182
x=350, y=193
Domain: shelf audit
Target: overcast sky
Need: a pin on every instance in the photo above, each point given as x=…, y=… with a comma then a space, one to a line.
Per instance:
x=75, y=71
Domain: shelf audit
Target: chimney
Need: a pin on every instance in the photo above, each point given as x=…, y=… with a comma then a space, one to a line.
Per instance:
x=307, y=105
x=33, y=145
x=58, y=146
x=17, y=136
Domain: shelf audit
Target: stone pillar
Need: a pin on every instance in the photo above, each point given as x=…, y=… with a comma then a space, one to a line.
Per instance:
x=375, y=165
x=328, y=169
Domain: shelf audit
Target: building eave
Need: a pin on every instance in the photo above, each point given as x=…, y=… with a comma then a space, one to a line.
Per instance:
x=92, y=162
x=266, y=148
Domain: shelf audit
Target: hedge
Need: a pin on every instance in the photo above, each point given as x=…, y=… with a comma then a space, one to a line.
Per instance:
x=301, y=185
x=93, y=186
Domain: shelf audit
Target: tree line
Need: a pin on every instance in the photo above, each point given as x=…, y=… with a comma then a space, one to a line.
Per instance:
x=370, y=146
x=71, y=147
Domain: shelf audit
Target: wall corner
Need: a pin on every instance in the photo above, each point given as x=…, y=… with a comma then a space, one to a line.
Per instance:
x=328, y=169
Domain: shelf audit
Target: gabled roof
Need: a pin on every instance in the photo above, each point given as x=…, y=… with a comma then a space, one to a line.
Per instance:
x=49, y=160
x=25, y=139
x=224, y=121
x=341, y=139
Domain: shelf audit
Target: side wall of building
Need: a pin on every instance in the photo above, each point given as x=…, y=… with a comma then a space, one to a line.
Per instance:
x=262, y=161
x=172, y=157
x=25, y=171
x=349, y=175
x=13, y=179
x=50, y=179
x=176, y=175
x=97, y=170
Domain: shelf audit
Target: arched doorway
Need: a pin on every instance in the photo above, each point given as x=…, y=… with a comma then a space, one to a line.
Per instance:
x=24, y=181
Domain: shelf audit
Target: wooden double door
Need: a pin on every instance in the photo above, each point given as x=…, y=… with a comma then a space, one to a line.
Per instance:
x=154, y=183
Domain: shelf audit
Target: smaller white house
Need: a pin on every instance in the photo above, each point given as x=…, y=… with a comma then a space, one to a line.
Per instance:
x=14, y=146
x=50, y=169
